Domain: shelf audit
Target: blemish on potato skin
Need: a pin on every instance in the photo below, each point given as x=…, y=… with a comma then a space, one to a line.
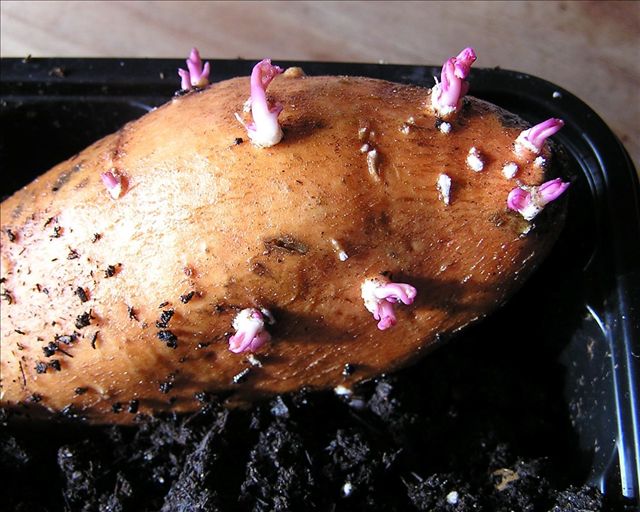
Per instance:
x=82, y=294
x=497, y=219
x=15, y=213
x=259, y=269
x=285, y=243
x=64, y=177
x=131, y=313
x=82, y=184
x=6, y=295
x=111, y=270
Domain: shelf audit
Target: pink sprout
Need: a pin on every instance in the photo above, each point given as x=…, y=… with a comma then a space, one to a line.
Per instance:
x=113, y=182
x=530, y=201
x=251, y=333
x=533, y=138
x=380, y=294
x=446, y=95
x=265, y=130
x=197, y=76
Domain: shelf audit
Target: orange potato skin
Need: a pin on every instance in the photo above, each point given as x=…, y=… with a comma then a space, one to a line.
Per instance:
x=202, y=213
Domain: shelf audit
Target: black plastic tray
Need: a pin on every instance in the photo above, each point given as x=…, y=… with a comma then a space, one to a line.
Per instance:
x=52, y=108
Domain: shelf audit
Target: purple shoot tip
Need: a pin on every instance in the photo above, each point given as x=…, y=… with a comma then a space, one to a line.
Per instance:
x=530, y=201
x=113, y=182
x=379, y=294
x=533, y=138
x=251, y=333
x=446, y=95
x=197, y=74
x=265, y=130
x=463, y=63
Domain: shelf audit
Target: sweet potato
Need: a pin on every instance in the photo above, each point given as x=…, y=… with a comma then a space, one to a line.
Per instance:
x=113, y=306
